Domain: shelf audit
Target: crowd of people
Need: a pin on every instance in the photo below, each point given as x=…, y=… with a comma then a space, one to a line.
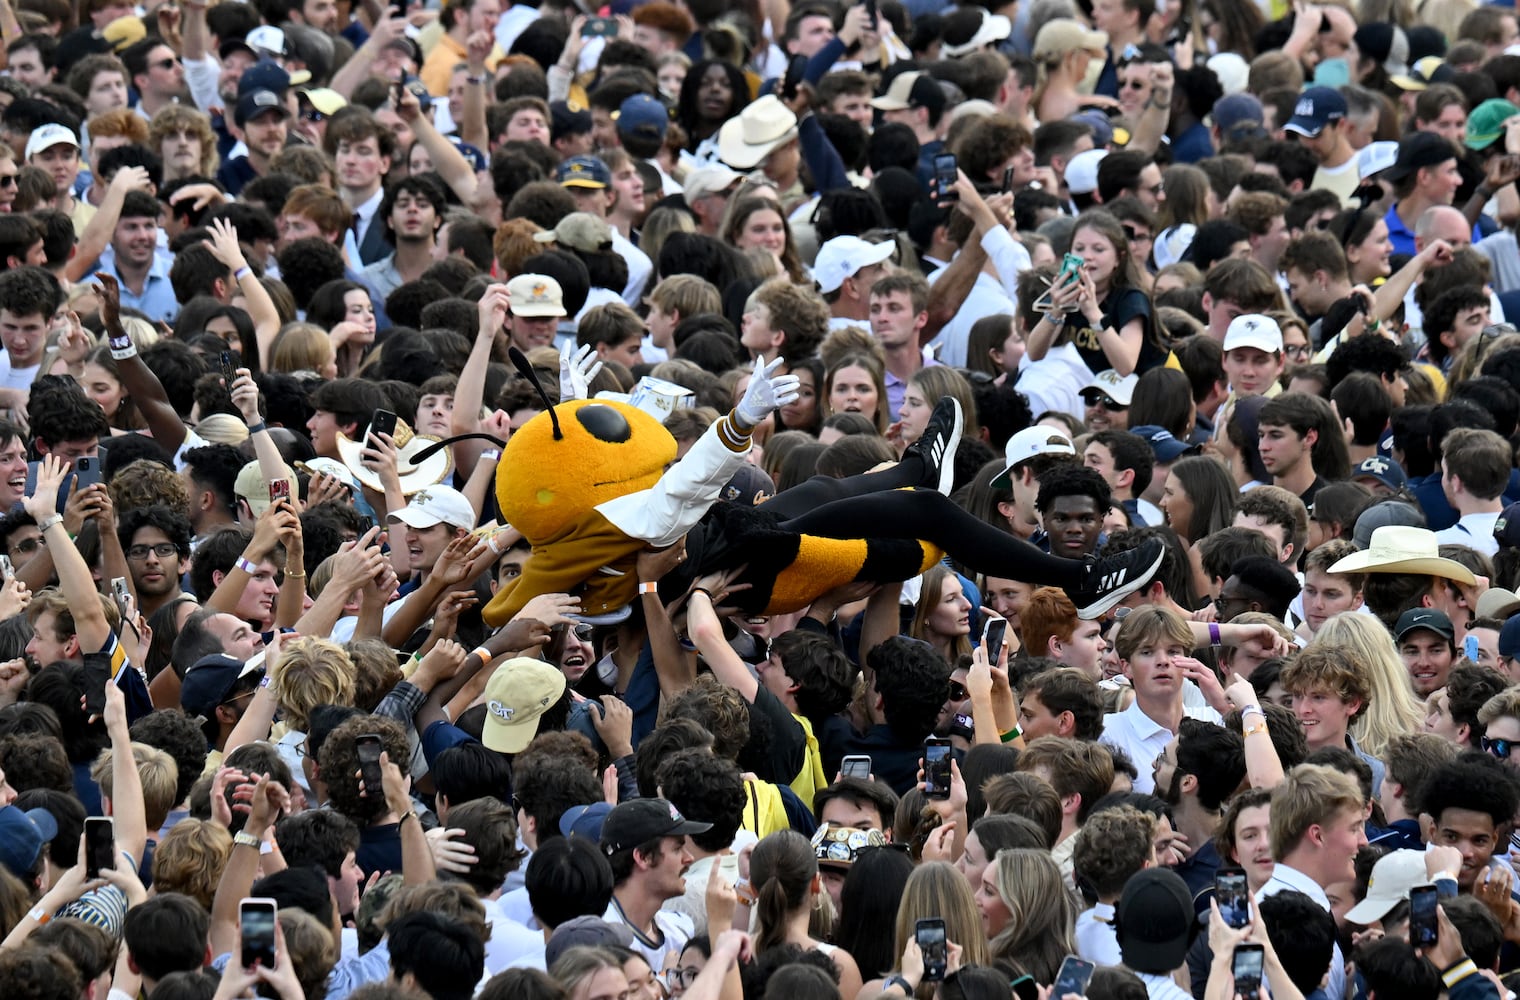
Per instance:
x=687, y=500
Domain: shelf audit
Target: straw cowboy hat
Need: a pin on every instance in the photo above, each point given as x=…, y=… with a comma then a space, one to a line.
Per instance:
x=759, y=130
x=414, y=475
x=1400, y=549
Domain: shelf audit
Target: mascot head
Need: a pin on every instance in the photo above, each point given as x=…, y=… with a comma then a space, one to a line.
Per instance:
x=574, y=456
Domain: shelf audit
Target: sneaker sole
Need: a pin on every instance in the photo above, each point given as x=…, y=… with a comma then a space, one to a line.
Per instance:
x=1113, y=597
x=947, y=460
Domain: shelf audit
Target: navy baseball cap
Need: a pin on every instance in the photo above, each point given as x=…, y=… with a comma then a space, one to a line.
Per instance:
x=208, y=682
x=258, y=102
x=266, y=74
x=642, y=115
x=1384, y=470
x=1509, y=638
x=22, y=836
x=1165, y=445
x=583, y=172
x=1317, y=107
x=567, y=121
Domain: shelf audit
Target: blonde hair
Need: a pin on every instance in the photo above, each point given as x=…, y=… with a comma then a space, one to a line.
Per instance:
x=300, y=347
x=1392, y=708
x=156, y=771
x=937, y=889
x=190, y=858
x=223, y=428
x=1041, y=913
x=1310, y=795
x=312, y=672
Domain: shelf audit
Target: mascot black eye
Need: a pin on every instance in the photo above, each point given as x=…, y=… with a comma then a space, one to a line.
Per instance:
x=604, y=423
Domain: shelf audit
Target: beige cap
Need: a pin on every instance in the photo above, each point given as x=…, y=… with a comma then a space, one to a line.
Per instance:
x=579, y=231
x=1064, y=35
x=536, y=295
x=251, y=485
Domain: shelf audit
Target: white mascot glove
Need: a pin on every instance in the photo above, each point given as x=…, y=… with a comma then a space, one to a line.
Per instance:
x=765, y=395
x=576, y=370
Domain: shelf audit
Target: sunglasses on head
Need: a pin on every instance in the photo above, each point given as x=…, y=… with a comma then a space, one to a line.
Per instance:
x=1499, y=748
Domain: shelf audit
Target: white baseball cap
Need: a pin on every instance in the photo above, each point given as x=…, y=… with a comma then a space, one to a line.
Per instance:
x=1082, y=171
x=49, y=136
x=437, y=505
x=1254, y=330
x=1119, y=388
x=1029, y=443
x=843, y=257
x=1375, y=157
x=267, y=38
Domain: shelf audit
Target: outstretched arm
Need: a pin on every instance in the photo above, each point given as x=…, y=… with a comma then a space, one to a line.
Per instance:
x=136, y=377
x=74, y=577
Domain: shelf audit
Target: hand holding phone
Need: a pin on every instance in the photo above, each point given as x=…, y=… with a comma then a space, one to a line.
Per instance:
x=1424, y=924
x=930, y=935
x=946, y=174
x=993, y=635
x=793, y=78
x=256, y=924
x=1233, y=897
x=369, y=747
x=857, y=765
x=1073, y=977
x=1245, y=966
x=937, y=758
x=99, y=845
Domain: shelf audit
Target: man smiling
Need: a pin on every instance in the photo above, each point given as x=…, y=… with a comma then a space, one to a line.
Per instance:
x=1427, y=644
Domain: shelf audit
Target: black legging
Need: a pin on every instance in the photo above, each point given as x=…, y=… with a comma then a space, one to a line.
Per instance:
x=876, y=504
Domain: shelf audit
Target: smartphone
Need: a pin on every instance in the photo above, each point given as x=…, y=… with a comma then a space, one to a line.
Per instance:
x=1073, y=977
x=1007, y=180
x=930, y=935
x=369, y=746
x=993, y=634
x=857, y=765
x=99, y=845
x=229, y=369
x=1470, y=647
x=1423, y=927
x=793, y=78
x=1071, y=267
x=946, y=173
x=1245, y=966
x=383, y=422
x=279, y=489
x=1025, y=988
x=122, y=594
x=871, y=15
x=1233, y=897
x=97, y=674
x=256, y=919
x=599, y=27
x=937, y=767
x=86, y=472
x=5, y=567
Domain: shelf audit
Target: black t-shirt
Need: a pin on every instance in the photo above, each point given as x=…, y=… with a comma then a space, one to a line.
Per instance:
x=788, y=743
x=379, y=849
x=1121, y=306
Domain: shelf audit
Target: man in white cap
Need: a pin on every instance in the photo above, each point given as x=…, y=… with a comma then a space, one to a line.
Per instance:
x=55, y=148
x=1030, y=454
x=430, y=521
x=845, y=269
x=707, y=192
x=1253, y=356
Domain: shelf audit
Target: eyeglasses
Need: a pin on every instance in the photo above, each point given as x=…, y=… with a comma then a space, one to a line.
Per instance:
x=958, y=691
x=1136, y=236
x=28, y=545
x=681, y=978
x=1158, y=190
x=313, y=116
x=1136, y=84
x=1486, y=339
x=169, y=63
x=1499, y=748
x=163, y=550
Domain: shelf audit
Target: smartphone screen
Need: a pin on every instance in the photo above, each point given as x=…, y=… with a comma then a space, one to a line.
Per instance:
x=1245, y=966
x=937, y=768
x=279, y=489
x=857, y=765
x=256, y=921
x=1423, y=927
x=121, y=594
x=993, y=635
x=99, y=845
x=945, y=175
x=1233, y=897
x=1073, y=977
x=930, y=935
x=5, y=567
x=369, y=747
x=1007, y=180
x=599, y=27
x=1470, y=647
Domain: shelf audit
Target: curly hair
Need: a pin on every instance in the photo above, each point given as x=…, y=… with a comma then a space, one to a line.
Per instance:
x=190, y=859
x=314, y=672
x=339, y=759
x=720, y=710
x=145, y=483
x=983, y=150
x=182, y=117
x=706, y=788
x=1113, y=845
x=913, y=682
x=1073, y=480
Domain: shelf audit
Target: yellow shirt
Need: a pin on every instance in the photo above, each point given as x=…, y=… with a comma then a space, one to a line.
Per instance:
x=810, y=780
x=439, y=65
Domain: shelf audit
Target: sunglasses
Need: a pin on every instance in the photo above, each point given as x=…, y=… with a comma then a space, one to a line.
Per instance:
x=1107, y=403
x=1499, y=748
x=958, y=691
x=168, y=63
x=8, y=180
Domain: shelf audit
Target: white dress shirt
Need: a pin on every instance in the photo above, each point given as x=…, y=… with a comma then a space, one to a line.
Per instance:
x=1143, y=738
x=1285, y=878
x=1096, y=940
x=1476, y=531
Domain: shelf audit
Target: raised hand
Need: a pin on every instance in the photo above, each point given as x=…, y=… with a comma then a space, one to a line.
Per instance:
x=493, y=309
x=765, y=394
x=43, y=502
x=224, y=245
x=576, y=370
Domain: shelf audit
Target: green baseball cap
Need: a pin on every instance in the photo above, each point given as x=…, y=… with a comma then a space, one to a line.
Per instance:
x=1486, y=123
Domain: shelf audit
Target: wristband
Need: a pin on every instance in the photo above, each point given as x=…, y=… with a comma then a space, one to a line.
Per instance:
x=1252, y=708
x=296, y=576
x=123, y=353
x=1214, y=639
x=1011, y=735
x=242, y=273
x=702, y=590
x=40, y=914
x=482, y=652
x=1260, y=727
x=49, y=522
x=255, y=428
x=899, y=982
x=409, y=814
x=245, y=839
x=246, y=566
x=265, y=681
x=651, y=588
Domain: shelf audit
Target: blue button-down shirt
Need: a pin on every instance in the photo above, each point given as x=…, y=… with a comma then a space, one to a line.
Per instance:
x=157, y=300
